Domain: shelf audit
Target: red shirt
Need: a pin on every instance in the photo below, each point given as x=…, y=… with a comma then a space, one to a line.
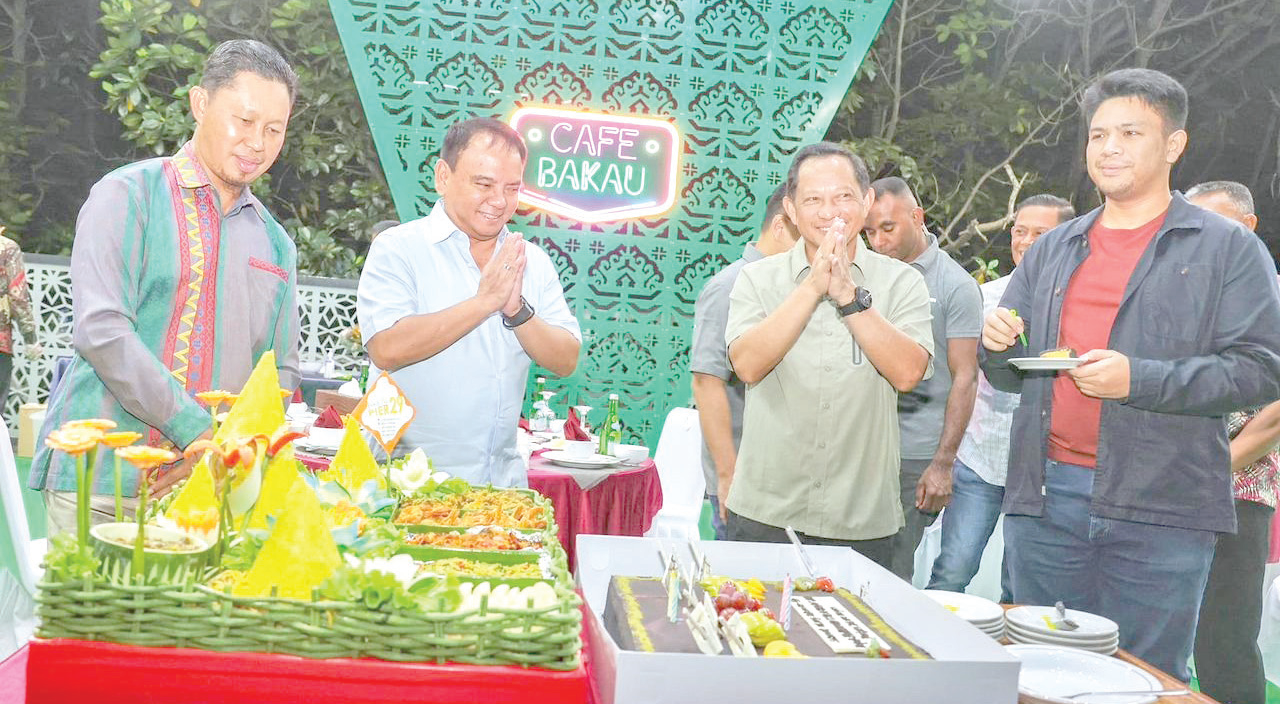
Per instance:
x=1088, y=312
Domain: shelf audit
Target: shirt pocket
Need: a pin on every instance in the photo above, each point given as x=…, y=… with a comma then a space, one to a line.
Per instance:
x=1175, y=302
x=265, y=284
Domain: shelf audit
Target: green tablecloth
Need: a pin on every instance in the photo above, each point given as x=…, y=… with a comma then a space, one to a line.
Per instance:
x=35, y=518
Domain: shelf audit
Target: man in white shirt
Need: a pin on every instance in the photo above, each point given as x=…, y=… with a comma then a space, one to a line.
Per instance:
x=983, y=457
x=455, y=306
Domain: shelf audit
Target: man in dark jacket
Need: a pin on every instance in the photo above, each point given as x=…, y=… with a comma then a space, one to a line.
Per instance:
x=1119, y=474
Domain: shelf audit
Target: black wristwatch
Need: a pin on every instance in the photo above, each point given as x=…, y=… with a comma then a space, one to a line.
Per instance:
x=861, y=301
x=521, y=317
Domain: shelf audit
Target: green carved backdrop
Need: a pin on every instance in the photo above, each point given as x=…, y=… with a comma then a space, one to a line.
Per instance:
x=745, y=81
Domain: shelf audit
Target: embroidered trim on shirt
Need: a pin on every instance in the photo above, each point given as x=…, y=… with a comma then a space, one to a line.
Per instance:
x=270, y=268
x=189, y=342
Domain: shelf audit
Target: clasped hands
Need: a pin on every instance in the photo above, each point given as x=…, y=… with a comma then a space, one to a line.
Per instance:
x=502, y=279
x=1104, y=373
x=829, y=272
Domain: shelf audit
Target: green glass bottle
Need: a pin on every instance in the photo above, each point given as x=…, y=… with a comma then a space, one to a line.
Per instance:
x=364, y=377
x=540, y=385
x=611, y=429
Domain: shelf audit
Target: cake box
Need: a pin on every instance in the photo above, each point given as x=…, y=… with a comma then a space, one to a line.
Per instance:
x=968, y=667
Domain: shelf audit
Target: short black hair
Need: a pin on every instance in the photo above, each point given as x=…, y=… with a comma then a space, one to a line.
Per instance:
x=233, y=57
x=821, y=149
x=773, y=207
x=460, y=134
x=1160, y=91
x=894, y=186
x=1066, y=210
x=1238, y=193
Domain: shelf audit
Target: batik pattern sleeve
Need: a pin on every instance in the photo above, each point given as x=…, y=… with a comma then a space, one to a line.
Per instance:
x=106, y=268
x=19, y=296
x=288, y=327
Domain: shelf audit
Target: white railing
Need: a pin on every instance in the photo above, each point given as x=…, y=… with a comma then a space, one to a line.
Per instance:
x=328, y=308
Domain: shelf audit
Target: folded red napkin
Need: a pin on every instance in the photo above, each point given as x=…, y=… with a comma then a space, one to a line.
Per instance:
x=523, y=424
x=573, y=427
x=331, y=418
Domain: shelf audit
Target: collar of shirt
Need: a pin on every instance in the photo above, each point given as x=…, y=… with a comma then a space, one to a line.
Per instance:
x=750, y=253
x=192, y=174
x=1181, y=215
x=799, y=261
x=929, y=257
x=440, y=227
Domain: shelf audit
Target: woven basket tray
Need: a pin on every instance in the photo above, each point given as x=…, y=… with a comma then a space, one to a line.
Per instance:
x=194, y=616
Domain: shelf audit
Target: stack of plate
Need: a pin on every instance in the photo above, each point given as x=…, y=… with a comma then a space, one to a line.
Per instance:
x=1038, y=625
x=985, y=615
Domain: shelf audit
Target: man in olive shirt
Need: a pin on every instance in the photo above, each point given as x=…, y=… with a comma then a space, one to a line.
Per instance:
x=825, y=337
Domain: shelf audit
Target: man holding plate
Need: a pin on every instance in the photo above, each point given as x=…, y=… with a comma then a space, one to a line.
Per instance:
x=1119, y=474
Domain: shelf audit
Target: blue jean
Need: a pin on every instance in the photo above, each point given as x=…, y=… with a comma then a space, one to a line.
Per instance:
x=1149, y=579
x=967, y=524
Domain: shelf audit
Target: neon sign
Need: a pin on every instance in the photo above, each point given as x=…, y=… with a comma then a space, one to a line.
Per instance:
x=595, y=167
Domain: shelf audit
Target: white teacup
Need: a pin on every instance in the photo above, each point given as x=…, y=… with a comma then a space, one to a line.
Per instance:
x=579, y=449
x=630, y=453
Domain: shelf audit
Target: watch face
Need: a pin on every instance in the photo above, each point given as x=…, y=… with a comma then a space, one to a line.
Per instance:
x=864, y=298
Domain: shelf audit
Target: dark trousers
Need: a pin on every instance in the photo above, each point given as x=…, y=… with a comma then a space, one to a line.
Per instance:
x=740, y=528
x=908, y=539
x=1228, y=662
x=6, y=374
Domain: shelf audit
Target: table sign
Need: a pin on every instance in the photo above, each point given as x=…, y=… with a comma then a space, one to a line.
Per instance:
x=385, y=411
x=598, y=167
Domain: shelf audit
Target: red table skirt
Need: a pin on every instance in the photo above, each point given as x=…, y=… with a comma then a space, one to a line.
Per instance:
x=623, y=504
x=64, y=670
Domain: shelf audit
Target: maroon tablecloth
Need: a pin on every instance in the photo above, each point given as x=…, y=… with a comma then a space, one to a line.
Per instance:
x=623, y=504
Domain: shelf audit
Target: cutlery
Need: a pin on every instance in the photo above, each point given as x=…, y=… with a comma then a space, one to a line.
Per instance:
x=1150, y=692
x=1063, y=622
x=804, y=557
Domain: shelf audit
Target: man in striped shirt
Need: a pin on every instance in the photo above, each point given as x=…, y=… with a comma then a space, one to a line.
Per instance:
x=181, y=279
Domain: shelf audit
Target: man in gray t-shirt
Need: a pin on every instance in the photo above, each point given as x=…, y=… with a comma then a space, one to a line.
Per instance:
x=717, y=391
x=933, y=416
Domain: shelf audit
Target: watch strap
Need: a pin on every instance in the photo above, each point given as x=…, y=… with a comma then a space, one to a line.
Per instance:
x=521, y=317
x=856, y=305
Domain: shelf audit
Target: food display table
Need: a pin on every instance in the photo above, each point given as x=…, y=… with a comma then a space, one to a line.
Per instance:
x=623, y=504
x=515, y=684
x=63, y=670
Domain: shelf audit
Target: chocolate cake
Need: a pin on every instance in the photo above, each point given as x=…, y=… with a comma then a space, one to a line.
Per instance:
x=635, y=615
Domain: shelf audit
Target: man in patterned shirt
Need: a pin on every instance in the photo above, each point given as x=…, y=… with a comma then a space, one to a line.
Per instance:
x=181, y=279
x=1228, y=662
x=15, y=308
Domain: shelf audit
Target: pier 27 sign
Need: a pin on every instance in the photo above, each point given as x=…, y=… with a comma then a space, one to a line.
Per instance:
x=596, y=167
